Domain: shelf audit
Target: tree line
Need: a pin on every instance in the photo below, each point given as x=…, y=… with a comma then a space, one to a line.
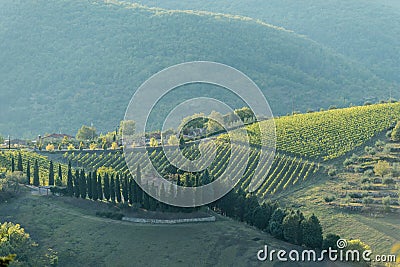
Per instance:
x=282, y=223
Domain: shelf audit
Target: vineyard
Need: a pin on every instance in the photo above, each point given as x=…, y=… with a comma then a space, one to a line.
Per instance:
x=328, y=134
x=284, y=173
x=302, y=141
x=43, y=163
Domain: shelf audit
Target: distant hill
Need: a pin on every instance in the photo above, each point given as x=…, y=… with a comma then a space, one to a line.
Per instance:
x=68, y=63
x=367, y=30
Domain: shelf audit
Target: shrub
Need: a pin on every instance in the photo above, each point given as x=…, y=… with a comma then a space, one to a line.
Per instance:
x=331, y=172
x=365, y=180
x=386, y=201
x=370, y=150
x=368, y=200
x=50, y=147
x=355, y=195
x=330, y=241
x=329, y=199
x=369, y=172
x=388, y=181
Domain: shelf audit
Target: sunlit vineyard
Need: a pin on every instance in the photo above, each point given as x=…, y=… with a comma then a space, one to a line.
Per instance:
x=302, y=141
x=284, y=173
x=43, y=163
x=328, y=134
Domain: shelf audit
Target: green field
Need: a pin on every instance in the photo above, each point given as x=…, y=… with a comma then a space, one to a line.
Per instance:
x=81, y=239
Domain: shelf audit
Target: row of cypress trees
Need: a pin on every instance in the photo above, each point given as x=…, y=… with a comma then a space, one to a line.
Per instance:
x=284, y=224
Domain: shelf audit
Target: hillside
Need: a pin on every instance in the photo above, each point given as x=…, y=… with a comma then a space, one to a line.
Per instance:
x=68, y=63
x=82, y=239
x=366, y=31
x=305, y=144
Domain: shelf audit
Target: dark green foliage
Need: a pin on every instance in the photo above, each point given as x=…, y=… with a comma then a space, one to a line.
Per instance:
x=12, y=164
x=112, y=189
x=77, y=186
x=146, y=199
x=181, y=142
x=251, y=204
x=82, y=184
x=130, y=191
x=28, y=173
x=70, y=185
x=188, y=179
x=293, y=67
x=330, y=241
x=162, y=195
x=51, y=173
x=36, y=173
x=260, y=218
x=19, y=163
x=292, y=230
x=324, y=22
x=125, y=189
x=59, y=190
x=106, y=186
x=139, y=185
x=312, y=232
x=59, y=178
x=118, y=189
x=275, y=224
x=89, y=182
x=94, y=186
x=172, y=190
x=153, y=201
x=99, y=188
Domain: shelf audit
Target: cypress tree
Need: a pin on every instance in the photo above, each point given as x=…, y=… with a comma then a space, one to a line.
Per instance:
x=125, y=189
x=291, y=227
x=112, y=189
x=94, y=186
x=259, y=217
x=130, y=191
x=76, y=184
x=146, y=199
x=106, y=187
x=139, y=187
x=135, y=191
x=28, y=173
x=51, y=173
x=12, y=164
x=172, y=190
x=275, y=223
x=153, y=201
x=162, y=196
x=118, y=189
x=178, y=189
x=206, y=179
x=36, y=174
x=59, y=181
x=82, y=184
x=19, y=163
x=99, y=188
x=89, y=183
x=70, y=186
x=312, y=232
x=396, y=132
